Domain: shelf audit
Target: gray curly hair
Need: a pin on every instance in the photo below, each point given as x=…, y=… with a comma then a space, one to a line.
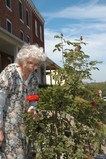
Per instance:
x=30, y=51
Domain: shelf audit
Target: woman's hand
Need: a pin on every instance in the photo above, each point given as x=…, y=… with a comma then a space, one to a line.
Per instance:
x=33, y=112
x=1, y=136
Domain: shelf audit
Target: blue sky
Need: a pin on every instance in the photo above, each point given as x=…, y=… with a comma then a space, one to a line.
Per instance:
x=74, y=18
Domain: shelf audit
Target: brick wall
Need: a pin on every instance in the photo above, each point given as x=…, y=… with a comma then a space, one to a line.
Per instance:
x=36, y=39
x=17, y=25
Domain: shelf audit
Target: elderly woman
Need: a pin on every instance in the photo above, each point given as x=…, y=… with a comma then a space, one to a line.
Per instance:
x=17, y=81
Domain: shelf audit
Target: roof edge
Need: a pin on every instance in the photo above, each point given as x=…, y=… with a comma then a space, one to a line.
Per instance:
x=36, y=10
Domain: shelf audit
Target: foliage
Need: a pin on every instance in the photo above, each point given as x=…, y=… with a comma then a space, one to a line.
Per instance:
x=70, y=114
x=99, y=86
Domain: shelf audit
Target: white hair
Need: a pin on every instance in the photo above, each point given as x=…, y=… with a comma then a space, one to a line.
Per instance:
x=32, y=51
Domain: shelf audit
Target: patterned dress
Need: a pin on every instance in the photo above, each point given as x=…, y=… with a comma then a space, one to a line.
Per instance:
x=12, y=84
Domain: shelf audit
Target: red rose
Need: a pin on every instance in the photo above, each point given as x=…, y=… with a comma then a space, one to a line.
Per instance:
x=97, y=92
x=32, y=98
x=94, y=104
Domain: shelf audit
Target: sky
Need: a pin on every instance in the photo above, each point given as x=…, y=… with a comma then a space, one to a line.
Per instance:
x=75, y=18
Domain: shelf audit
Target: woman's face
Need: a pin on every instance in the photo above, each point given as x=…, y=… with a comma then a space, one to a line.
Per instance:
x=30, y=65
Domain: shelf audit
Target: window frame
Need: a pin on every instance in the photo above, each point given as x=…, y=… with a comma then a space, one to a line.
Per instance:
x=36, y=28
x=28, y=39
x=41, y=33
x=20, y=10
x=8, y=6
x=10, y=60
x=21, y=33
x=0, y=62
x=27, y=18
x=8, y=22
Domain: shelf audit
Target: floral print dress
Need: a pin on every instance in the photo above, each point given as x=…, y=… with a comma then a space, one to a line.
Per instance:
x=16, y=90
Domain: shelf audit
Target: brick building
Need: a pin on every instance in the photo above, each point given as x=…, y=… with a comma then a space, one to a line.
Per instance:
x=21, y=22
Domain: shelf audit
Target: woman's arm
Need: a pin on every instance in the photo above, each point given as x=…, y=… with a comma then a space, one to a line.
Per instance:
x=33, y=90
x=2, y=103
x=5, y=88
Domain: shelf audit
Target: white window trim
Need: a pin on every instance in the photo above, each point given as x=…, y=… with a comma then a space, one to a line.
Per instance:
x=7, y=20
x=23, y=34
x=41, y=33
x=28, y=25
x=8, y=6
x=29, y=39
x=22, y=11
x=36, y=28
x=10, y=59
x=0, y=63
x=22, y=21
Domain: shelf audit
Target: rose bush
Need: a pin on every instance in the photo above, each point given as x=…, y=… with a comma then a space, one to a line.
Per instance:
x=67, y=107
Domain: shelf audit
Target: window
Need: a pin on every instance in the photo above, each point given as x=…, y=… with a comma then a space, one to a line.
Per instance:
x=20, y=10
x=36, y=28
x=8, y=25
x=28, y=39
x=9, y=60
x=21, y=35
x=0, y=63
x=27, y=18
x=8, y=3
x=41, y=33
